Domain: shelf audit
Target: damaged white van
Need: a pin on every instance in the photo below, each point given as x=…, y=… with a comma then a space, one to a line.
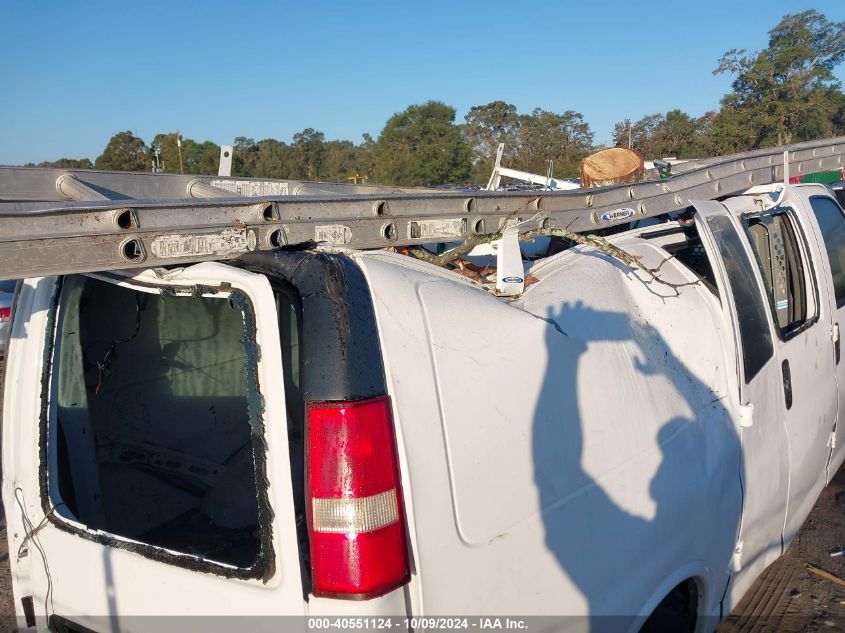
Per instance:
x=359, y=434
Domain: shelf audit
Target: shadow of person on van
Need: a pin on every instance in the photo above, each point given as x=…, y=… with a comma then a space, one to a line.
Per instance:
x=638, y=474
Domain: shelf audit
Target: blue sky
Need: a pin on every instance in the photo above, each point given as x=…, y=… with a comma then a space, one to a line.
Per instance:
x=75, y=73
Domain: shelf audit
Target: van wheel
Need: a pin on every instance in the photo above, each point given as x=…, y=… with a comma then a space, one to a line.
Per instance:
x=676, y=613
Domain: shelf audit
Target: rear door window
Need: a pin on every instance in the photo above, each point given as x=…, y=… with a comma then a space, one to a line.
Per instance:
x=153, y=434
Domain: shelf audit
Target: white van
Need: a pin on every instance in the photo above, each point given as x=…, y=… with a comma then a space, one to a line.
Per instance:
x=358, y=434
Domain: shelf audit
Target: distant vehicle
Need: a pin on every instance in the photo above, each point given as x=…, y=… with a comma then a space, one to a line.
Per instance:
x=7, y=293
x=838, y=191
x=820, y=177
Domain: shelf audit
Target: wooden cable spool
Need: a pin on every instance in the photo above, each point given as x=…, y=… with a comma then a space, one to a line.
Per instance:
x=611, y=167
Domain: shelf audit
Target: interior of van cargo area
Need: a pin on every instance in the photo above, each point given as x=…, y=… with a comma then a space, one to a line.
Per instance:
x=150, y=435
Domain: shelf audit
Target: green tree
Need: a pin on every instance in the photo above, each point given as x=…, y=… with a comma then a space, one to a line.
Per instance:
x=310, y=150
x=642, y=134
x=339, y=161
x=200, y=158
x=365, y=156
x=838, y=118
x=244, y=155
x=564, y=138
x=737, y=130
x=197, y=158
x=679, y=134
x=658, y=135
x=326, y=160
x=486, y=126
x=786, y=92
x=273, y=159
x=124, y=152
x=168, y=152
x=69, y=163
x=422, y=146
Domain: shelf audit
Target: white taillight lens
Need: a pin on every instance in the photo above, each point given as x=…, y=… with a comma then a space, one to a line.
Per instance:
x=354, y=516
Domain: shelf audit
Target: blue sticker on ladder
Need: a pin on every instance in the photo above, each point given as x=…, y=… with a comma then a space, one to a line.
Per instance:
x=617, y=214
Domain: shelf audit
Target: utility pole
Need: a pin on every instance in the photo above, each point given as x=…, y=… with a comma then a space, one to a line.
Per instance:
x=630, y=145
x=179, y=150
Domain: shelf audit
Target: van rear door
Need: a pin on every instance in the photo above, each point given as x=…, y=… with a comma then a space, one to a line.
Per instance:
x=145, y=460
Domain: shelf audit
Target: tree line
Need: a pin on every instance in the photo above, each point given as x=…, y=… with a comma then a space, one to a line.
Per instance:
x=784, y=93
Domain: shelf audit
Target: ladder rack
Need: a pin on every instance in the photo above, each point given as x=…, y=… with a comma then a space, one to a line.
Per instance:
x=69, y=221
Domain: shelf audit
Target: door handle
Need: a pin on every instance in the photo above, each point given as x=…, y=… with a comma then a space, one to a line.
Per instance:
x=836, y=344
x=787, y=383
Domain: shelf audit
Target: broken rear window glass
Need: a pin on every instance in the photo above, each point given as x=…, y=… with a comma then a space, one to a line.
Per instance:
x=150, y=436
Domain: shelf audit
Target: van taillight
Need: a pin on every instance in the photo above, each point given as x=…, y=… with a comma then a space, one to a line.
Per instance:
x=5, y=313
x=356, y=519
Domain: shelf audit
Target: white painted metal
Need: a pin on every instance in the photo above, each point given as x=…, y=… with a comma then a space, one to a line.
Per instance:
x=510, y=276
x=547, y=182
x=599, y=419
x=225, y=167
x=809, y=356
x=801, y=196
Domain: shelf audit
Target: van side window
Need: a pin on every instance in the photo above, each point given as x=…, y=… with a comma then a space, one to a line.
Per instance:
x=832, y=224
x=153, y=432
x=777, y=244
x=755, y=337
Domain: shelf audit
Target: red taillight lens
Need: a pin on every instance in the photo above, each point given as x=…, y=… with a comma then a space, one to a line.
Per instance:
x=356, y=521
x=5, y=313
x=796, y=180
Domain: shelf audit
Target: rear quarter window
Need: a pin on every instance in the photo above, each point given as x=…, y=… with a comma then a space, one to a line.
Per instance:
x=831, y=221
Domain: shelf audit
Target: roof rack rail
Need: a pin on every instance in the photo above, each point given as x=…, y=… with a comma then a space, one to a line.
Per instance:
x=68, y=221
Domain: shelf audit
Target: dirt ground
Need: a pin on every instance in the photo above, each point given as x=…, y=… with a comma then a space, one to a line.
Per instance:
x=7, y=607
x=804, y=591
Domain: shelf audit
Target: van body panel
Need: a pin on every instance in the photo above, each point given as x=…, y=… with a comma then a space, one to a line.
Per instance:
x=541, y=425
